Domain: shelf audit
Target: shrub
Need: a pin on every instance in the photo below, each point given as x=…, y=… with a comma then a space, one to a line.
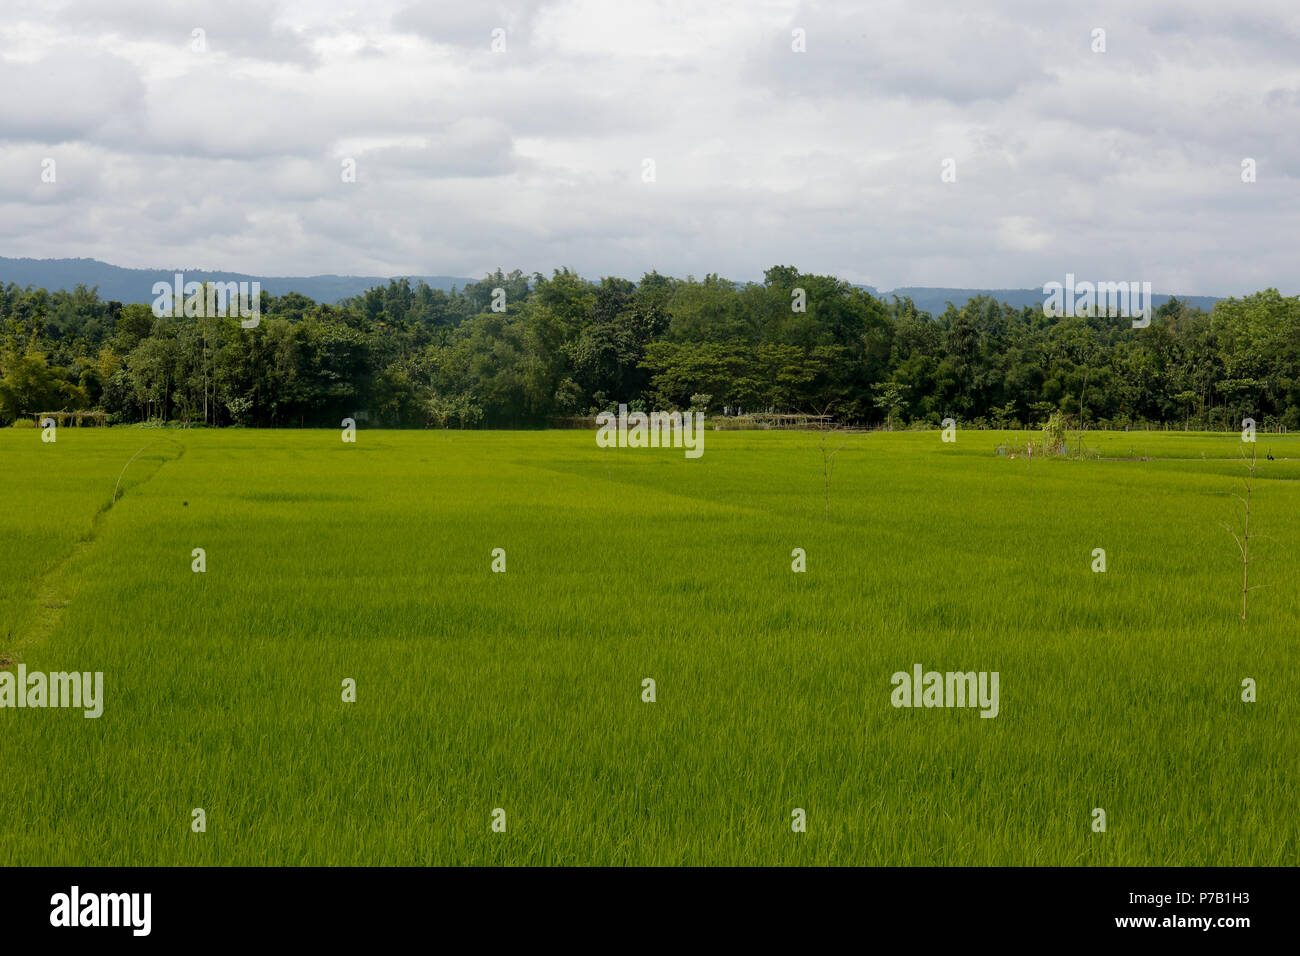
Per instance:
x=1054, y=434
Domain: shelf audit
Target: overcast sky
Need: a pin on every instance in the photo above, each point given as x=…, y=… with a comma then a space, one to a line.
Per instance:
x=1123, y=164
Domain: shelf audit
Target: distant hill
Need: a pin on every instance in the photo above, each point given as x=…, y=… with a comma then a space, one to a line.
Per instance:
x=935, y=301
x=136, y=285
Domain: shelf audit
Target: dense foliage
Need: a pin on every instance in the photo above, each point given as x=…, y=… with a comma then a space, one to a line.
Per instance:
x=544, y=348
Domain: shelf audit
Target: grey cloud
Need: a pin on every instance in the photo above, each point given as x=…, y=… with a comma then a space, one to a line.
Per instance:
x=947, y=51
x=468, y=25
x=473, y=148
x=242, y=28
x=68, y=97
x=830, y=159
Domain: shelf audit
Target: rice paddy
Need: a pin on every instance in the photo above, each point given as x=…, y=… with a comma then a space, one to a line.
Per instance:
x=501, y=717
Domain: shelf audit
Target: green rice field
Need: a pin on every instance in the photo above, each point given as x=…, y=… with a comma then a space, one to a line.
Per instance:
x=522, y=691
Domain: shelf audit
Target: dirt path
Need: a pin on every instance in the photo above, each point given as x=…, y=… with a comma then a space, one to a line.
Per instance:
x=53, y=593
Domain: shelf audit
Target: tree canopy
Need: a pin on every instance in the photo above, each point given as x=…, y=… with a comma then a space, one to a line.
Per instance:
x=521, y=351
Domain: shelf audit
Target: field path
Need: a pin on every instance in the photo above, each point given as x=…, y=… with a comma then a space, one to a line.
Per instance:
x=52, y=594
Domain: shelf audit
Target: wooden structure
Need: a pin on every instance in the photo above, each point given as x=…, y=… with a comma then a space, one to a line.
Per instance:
x=76, y=418
x=767, y=420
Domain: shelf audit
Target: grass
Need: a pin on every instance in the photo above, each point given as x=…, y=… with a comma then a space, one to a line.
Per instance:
x=522, y=690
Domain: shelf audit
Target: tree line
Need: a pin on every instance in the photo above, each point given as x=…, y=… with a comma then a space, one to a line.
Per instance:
x=523, y=351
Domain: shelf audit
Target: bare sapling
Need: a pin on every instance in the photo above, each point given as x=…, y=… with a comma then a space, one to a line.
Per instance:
x=1247, y=536
x=829, y=450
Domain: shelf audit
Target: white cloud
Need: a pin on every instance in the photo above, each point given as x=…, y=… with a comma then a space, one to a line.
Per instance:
x=1122, y=163
x=1021, y=234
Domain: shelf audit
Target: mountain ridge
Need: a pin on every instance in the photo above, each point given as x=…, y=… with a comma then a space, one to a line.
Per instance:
x=136, y=285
